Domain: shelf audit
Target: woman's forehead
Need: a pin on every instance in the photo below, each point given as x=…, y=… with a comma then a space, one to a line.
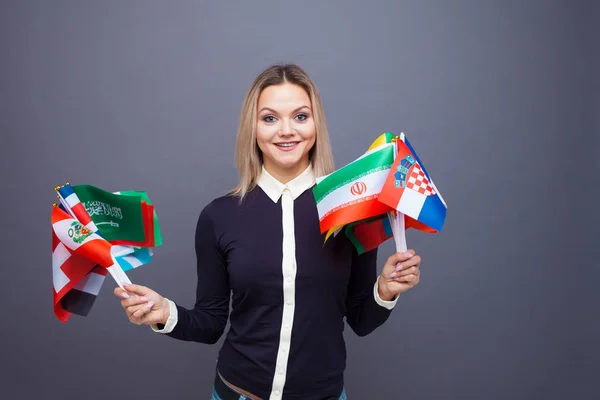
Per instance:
x=283, y=97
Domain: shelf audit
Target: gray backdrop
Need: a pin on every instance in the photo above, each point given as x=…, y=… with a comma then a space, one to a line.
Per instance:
x=500, y=100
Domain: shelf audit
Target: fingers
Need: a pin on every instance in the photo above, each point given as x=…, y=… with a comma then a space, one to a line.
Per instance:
x=402, y=271
x=136, y=289
x=407, y=265
x=123, y=294
x=137, y=314
x=133, y=301
x=139, y=303
x=401, y=257
x=400, y=275
x=136, y=307
x=134, y=304
x=411, y=262
x=411, y=280
x=410, y=275
x=408, y=271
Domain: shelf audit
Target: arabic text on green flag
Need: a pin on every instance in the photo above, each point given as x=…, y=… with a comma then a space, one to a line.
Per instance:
x=117, y=217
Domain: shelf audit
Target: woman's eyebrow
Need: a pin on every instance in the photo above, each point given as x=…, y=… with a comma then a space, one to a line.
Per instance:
x=273, y=111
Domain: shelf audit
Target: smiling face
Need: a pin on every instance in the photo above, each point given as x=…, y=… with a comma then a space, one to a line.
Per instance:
x=285, y=130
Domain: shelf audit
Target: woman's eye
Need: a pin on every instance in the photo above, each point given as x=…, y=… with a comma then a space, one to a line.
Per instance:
x=269, y=118
x=302, y=117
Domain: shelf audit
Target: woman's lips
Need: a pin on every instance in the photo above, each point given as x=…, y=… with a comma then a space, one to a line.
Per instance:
x=287, y=146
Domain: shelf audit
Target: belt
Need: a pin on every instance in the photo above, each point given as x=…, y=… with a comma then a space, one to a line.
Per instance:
x=224, y=392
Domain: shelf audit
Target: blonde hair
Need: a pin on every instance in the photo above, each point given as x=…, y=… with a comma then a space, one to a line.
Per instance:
x=248, y=156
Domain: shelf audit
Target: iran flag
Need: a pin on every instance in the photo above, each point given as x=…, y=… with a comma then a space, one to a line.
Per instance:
x=351, y=193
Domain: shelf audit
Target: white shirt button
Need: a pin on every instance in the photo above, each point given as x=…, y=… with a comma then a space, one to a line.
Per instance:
x=289, y=302
x=277, y=393
x=287, y=326
x=281, y=372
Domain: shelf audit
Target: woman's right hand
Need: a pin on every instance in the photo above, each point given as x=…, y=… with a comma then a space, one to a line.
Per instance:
x=146, y=308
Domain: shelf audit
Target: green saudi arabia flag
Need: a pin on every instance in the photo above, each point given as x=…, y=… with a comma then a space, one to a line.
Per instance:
x=144, y=197
x=118, y=216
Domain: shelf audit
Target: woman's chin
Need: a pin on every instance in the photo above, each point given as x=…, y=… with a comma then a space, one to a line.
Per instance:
x=290, y=162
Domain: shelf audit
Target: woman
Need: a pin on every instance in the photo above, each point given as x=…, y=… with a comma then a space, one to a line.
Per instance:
x=261, y=245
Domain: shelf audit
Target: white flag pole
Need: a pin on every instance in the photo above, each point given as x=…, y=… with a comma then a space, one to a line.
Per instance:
x=400, y=235
x=397, y=220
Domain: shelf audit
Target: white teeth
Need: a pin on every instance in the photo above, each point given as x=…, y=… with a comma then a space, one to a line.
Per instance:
x=285, y=144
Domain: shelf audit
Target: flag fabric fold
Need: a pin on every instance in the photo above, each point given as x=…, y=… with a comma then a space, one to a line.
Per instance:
x=369, y=234
x=96, y=233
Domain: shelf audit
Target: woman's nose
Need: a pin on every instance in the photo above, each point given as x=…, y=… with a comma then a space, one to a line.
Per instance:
x=287, y=127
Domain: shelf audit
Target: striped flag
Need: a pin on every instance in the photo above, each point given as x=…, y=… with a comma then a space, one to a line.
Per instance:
x=369, y=234
x=78, y=280
x=76, y=292
x=351, y=193
x=71, y=203
x=410, y=190
x=382, y=140
x=68, y=271
x=81, y=297
x=135, y=259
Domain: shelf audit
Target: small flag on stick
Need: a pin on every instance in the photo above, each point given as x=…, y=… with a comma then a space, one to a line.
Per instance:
x=95, y=233
x=379, y=196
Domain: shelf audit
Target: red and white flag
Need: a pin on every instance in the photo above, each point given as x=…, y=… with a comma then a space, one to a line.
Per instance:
x=77, y=252
x=68, y=271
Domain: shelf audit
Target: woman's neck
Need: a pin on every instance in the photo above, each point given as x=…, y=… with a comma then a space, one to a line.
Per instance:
x=284, y=175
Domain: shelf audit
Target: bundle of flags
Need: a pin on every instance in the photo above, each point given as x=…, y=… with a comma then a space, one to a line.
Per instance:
x=379, y=195
x=94, y=233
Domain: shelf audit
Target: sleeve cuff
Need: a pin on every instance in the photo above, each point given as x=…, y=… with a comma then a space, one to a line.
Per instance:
x=389, y=304
x=171, y=321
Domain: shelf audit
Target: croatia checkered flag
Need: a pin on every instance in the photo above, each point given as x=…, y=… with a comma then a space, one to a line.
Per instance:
x=410, y=191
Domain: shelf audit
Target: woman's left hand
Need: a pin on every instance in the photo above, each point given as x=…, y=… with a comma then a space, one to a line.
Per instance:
x=400, y=273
